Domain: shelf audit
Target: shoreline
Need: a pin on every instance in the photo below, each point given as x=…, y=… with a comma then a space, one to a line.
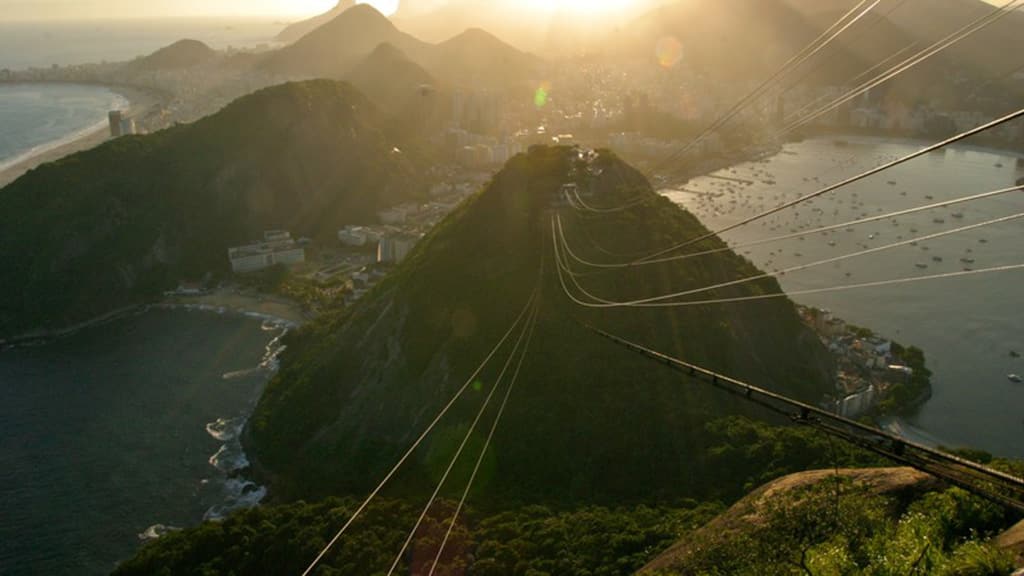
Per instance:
x=983, y=146
x=139, y=103
x=232, y=300
x=270, y=308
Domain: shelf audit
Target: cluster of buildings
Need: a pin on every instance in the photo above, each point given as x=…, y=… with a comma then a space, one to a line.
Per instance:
x=636, y=145
x=277, y=247
x=471, y=150
x=866, y=365
x=401, y=227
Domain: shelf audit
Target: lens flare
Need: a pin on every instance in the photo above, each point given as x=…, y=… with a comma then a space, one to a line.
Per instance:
x=540, y=97
x=669, y=51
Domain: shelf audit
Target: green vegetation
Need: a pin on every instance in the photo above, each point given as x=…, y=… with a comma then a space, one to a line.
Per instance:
x=119, y=224
x=590, y=422
x=531, y=540
x=312, y=295
x=857, y=532
x=904, y=397
x=837, y=528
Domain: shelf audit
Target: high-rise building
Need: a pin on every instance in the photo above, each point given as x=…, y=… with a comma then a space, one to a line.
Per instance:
x=115, y=118
x=127, y=126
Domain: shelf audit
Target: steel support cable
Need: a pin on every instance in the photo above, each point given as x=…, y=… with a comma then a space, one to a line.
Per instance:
x=465, y=440
x=870, y=26
x=808, y=414
x=809, y=51
x=926, y=53
x=816, y=102
x=775, y=295
x=978, y=484
x=487, y=443
x=362, y=507
x=790, y=236
x=940, y=46
x=833, y=187
x=579, y=204
x=659, y=301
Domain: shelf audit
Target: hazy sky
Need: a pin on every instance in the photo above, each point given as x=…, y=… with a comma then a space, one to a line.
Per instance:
x=65, y=9
x=289, y=9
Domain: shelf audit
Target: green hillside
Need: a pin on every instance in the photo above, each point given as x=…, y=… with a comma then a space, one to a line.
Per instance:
x=883, y=521
x=118, y=224
x=589, y=422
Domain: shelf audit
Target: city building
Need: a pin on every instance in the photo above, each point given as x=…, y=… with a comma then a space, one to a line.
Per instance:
x=120, y=124
x=393, y=249
x=277, y=247
x=397, y=215
x=353, y=236
x=115, y=117
x=128, y=127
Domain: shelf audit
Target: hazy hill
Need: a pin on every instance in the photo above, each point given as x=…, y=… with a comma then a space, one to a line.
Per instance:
x=478, y=58
x=747, y=39
x=181, y=54
x=894, y=25
x=293, y=32
x=343, y=46
x=735, y=39
x=589, y=421
x=332, y=49
x=120, y=223
x=391, y=79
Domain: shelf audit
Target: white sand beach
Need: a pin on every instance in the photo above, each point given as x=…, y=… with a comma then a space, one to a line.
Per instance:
x=140, y=102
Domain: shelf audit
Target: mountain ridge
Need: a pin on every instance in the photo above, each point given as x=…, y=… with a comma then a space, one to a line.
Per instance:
x=353, y=387
x=297, y=30
x=140, y=213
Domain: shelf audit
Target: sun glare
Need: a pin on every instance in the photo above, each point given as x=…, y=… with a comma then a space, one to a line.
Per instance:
x=582, y=6
x=312, y=7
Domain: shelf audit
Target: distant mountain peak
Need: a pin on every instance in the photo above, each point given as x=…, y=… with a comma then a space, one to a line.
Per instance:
x=181, y=54
x=341, y=42
x=299, y=29
x=476, y=36
x=387, y=50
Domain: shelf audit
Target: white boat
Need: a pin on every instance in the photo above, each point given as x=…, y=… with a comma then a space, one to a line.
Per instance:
x=1014, y=378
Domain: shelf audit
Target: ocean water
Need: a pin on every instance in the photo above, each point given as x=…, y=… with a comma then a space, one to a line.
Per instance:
x=966, y=326
x=35, y=117
x=44, y=44
x=122, y=431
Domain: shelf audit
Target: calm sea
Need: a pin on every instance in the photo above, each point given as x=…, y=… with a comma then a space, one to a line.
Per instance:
x=37, y=117
x=121, y=428
x=966, y=326
x=43, y=44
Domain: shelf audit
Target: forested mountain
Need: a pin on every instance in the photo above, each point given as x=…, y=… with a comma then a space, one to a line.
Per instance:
x=583, y=426
x=118, y=224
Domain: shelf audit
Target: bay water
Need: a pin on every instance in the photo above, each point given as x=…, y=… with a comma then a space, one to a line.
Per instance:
x=969, y=327
x=121, y=431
